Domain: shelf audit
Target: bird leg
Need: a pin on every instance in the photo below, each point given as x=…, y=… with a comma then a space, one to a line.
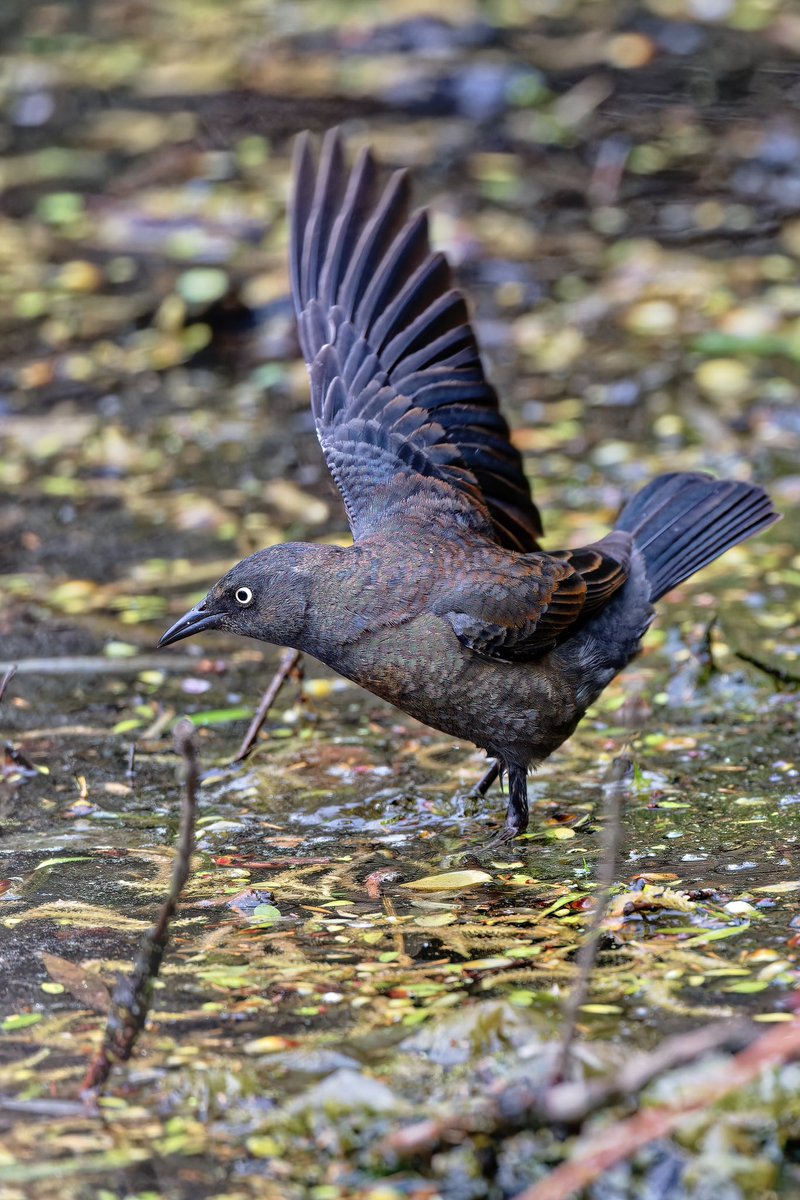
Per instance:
x=517, y=814
x=486, y=780
x=288, y=664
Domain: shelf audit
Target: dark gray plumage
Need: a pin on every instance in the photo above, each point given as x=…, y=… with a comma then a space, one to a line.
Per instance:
x=445, y=605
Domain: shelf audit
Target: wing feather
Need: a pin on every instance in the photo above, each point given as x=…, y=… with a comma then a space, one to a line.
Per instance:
x=396, y=376
x=517, y=611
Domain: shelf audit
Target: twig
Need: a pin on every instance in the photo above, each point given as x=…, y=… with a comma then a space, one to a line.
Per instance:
x=96, y=664
x=615, y=789
x=43, y=1108
x=130, y=1002
x=705, y=651
x=571, y=1103
x=772, y=1049
x=376, y=879
x=288, y=664
x=775, y=672
x=18, y=758
x=12, y=754
x=520, y=1106
x=6, y=680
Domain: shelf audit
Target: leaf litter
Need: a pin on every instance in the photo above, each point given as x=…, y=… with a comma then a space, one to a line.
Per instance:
x=154, y=433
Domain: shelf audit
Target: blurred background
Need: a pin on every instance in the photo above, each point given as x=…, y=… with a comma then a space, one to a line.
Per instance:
x=617, y=185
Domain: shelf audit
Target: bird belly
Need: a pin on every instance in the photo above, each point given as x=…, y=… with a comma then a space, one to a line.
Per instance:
x=519, y=711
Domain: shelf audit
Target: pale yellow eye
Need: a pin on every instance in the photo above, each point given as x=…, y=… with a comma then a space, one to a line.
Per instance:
x=243, y=596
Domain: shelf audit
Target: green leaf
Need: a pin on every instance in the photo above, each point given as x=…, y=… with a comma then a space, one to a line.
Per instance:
x=561, y=903
x=716, y=935
x=219, y=716
x=764, y=344
x=120, y=650
x=54, y=862
x=203, y=285
x=60, y=208
x=262, y=1147
x=265, y=914
x=20, y=1021
x=523, y=952
x=127, y=725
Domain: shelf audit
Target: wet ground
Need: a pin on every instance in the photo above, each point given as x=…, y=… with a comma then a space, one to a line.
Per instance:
x=621, y=197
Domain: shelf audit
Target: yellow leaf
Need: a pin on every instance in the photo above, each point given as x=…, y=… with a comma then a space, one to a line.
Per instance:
x=449, y=882
x=270, y=1044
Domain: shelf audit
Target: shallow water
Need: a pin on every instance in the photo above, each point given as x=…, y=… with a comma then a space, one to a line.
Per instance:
x=629, y=233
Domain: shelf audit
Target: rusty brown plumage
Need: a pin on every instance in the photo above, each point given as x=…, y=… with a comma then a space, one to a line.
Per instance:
x=445, y=605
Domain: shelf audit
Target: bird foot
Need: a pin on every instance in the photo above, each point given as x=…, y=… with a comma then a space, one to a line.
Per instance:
x=506, y=835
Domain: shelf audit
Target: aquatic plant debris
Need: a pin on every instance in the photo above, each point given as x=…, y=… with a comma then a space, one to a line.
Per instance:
x=617, y=192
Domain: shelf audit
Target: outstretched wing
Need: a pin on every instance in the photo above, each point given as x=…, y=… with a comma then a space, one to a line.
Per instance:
x=397, y=387
x=516, y=611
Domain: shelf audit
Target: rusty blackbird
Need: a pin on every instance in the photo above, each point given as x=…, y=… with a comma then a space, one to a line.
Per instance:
x=445, y=605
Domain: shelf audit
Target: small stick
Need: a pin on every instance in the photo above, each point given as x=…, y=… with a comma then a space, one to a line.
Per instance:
x=705, y=651
x=287, y=664
x=6, y=680
x=519, y=1106
x=18, y=758
x=776, y=672
x=131, y=771
x=97, y=664
x=614, y=791
x=618, y=1142
x=43, y=1108
x=130, y=1002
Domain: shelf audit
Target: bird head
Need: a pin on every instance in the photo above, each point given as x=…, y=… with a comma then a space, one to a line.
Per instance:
x=263, y=596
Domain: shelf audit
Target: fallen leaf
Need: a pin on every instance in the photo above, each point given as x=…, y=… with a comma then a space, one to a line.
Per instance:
x=84, y=985
x=450, y=881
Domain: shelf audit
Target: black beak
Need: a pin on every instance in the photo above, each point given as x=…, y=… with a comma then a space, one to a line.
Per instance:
x=194, y=621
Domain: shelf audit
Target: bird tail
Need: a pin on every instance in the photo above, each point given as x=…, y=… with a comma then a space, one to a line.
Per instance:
x=682, y=521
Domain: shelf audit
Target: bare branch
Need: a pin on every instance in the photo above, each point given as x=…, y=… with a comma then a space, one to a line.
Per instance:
x=773, y=1049
x=6, y=680
x=289, y=663
x=520, y=1106
x=130, y=1002
x=615, y=789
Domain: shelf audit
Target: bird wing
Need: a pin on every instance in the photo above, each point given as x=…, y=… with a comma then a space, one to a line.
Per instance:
x=398, y=393
x=520, y=609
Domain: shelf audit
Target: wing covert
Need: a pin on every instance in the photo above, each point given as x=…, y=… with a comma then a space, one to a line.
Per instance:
x=515, y=613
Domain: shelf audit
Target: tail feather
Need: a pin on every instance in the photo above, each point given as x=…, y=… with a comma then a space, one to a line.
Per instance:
x=683, y=521
x=711, y=531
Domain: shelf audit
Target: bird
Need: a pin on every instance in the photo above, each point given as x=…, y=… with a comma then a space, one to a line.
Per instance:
x=445, y=604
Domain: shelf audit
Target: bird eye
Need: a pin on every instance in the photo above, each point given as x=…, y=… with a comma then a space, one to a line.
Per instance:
x=243, y=596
